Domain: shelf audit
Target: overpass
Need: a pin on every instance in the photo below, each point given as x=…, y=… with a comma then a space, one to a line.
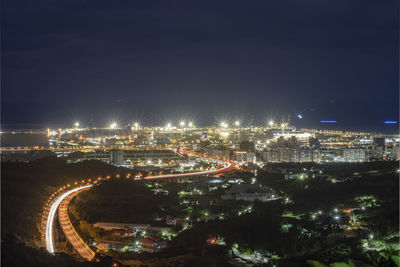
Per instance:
x=85, y=148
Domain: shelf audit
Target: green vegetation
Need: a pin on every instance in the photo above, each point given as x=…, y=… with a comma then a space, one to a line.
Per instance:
x=388, y=258
x=17, y=254
x=25, y=188
x=125, y=201
x=298, y=227
x=290, y=228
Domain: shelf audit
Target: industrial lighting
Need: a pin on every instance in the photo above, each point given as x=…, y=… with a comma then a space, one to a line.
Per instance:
x=224, y=124
x=190, y=124
x=113, y=125
x=237, y=123
x=271, y=123
x=76, y=124
x=182, y=123
x=136, y=124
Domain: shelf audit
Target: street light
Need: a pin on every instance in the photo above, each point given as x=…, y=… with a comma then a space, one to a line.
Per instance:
x=113, y=125
x=182, y=123
x=190, y=124
x=224, y=124
x=271, y=123
x=371, y=236
x=237, y=123
x=76, y=124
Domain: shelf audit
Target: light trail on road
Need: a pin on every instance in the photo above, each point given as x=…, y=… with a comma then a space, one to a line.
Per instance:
x=226, y=168
x=51, y=216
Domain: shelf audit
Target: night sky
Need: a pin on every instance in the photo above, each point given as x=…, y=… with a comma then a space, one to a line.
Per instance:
x=64, y=61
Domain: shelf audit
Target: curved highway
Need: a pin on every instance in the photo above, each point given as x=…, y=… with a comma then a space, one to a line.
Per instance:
x=73, y=237
x=50, y=218
x=79, y=245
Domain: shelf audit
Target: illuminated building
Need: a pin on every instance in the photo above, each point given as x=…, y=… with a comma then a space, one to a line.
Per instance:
x=116, y=156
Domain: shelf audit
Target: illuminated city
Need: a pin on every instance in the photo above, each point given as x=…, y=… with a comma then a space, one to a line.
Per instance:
x=135, y=145
x=200, y=133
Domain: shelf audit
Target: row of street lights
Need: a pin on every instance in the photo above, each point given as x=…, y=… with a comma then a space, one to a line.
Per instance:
x=114, y=125
x=183, y=124
x=271, y=123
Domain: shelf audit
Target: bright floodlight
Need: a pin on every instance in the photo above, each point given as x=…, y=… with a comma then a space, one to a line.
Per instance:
x=224, y=124
x=271, y=123
x=299, y=116
x=136, y=124
x=113, y=125
x=76, y=124
x=237, y=123
x=182, y=123
x=169, y=125
x=190, y=124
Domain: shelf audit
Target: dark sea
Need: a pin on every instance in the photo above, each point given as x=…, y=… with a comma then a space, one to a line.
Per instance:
x=13, y=135
x=23, y=139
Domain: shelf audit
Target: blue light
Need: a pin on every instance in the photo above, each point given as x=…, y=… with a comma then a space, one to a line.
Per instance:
x=390, y=122
x=323, y=121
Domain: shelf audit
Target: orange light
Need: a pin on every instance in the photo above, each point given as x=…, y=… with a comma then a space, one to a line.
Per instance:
x=348, y=211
